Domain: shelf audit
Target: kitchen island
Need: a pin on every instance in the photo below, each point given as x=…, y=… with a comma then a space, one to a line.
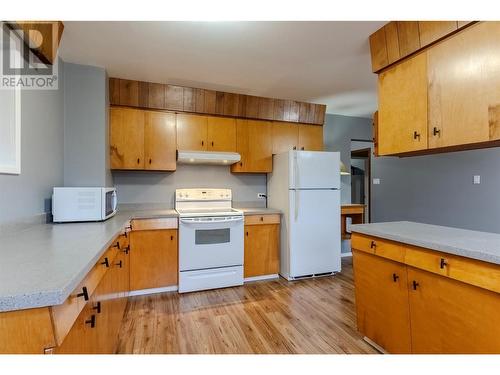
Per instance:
x=427, y=289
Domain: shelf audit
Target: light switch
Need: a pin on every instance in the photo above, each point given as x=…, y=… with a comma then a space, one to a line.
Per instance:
x=376, y=181
x=477, y=180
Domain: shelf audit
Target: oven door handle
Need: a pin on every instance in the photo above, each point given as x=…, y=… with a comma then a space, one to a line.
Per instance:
x=212, y=220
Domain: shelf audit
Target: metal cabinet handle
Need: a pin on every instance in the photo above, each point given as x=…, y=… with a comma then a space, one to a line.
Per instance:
x=436, y=131
x=302, y=148
x=202, y=143
x=262, y=218
x=373, y=245
x=247, y=234
x=171, y=238
x=442, y=263
x=106, y=262
x=416, y=135
x=241, y=164
x=212, y=143
x=91, y=321
x=97, y=307
x=84, y=294
x=117, y=244
x=150, y=161
x=395, y=277
x=127, y=249
x=415, y=284
x=138, y=160
x=294, y=147
x=119, y=264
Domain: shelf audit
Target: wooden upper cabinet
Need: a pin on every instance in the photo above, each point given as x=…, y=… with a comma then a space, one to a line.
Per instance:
x=114, y=91
x=378, y=50
x=126, y=138
x=285, y=137
x=430, y=31
x=464, y=76
x=156, y=96
x=408, y=36
x=174, y=97
x=392, y=42
x=402, y=114
x=449, y=316
x=254, y=144
x=310, y=137
x=160, y=141
x=129, y=92
x=382, y=309
x=192, y=132
x=221, y=134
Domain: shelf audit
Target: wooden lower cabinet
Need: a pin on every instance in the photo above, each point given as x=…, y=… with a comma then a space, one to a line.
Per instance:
x=96, y=329
x=449, y=316
x=405, y=309
x=153, y=259
x=262, y=250
x=382, y=302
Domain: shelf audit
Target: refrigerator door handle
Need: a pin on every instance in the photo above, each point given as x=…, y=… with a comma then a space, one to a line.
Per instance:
x=296, y=184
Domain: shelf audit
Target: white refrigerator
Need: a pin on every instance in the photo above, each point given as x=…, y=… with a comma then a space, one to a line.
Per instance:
x=305, y=186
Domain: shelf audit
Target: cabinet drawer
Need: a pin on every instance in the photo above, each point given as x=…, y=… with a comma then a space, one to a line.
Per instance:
x=262, y=219
x=470, y=271
x=373, y=245
x=64, y=315
x=154, y=224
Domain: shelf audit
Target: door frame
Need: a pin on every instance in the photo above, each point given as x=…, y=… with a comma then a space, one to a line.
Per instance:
x=366, y=153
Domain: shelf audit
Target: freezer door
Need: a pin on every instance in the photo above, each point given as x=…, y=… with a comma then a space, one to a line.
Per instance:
x=314, y=170
x=314, y=236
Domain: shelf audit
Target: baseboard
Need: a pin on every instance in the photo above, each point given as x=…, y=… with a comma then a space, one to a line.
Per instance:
x=142, y=292
x=343, y=255
x=263, y=277
x=375, y=345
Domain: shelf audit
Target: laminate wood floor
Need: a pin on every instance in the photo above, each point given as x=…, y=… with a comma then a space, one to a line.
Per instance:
x=307, y=316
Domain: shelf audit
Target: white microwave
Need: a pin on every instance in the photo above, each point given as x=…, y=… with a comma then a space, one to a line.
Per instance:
x=83, y=204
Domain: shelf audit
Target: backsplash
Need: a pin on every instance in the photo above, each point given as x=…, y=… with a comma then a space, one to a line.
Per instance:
x=135, y=187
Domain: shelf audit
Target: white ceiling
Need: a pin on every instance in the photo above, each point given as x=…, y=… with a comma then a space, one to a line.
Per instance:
x=321, y=62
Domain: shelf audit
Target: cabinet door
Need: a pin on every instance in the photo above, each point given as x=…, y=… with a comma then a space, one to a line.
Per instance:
x=448, y=316
x=261, y=250
x=82, y=338
x=254, y=143
x=464, y=76
x=126, y=138
x=408, y=38
x=402, y=113
x=382, y=301
x=153, y=259
x=191, y=132
x=310, y=137
x=285, y=137
x=160, y=141
x=378, y=50
x=221, y=134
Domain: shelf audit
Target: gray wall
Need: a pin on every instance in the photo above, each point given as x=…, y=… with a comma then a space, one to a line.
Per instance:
x=150, y=187
x=86, y=152
x=42, y=130
x=337, y=134
x=438, y=189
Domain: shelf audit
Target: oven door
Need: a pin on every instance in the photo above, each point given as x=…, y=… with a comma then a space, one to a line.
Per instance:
x=210, y=242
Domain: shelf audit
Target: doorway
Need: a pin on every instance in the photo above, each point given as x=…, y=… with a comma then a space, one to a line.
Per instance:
x=361, y=152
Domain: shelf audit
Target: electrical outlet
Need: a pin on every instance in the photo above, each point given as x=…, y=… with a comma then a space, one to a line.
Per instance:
x=261, y=196
x=477, y=180
x=376, y=181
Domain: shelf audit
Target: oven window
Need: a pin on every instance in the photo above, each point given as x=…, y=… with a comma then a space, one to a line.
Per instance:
x=109, y=203
x=212, y=236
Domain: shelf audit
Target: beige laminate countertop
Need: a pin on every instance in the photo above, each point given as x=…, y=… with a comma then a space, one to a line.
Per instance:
x=43, y=263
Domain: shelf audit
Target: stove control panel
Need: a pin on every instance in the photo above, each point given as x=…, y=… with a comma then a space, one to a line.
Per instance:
x=193, y=195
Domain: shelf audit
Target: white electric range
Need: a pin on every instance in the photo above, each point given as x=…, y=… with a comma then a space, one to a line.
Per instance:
x=210, y=239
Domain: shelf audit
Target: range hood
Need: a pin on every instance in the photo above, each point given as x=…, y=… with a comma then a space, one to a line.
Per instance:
x=208, y=157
